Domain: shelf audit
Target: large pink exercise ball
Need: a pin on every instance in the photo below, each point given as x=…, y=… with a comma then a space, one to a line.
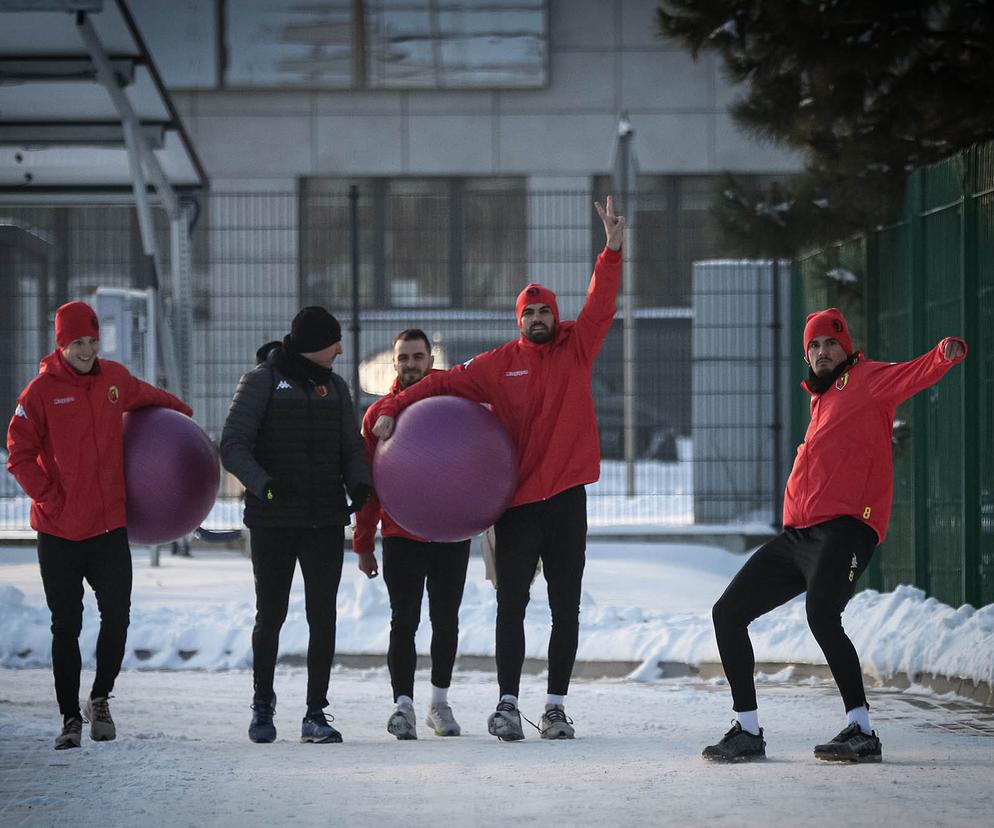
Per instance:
x=448, y=471
x=171, y=473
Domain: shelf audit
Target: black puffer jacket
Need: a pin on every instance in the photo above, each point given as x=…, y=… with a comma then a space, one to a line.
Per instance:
x=284, y=428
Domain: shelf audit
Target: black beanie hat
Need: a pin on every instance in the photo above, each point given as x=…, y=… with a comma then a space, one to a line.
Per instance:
x=314, y=329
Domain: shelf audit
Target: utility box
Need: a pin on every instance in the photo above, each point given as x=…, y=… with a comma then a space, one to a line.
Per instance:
x=127, y=329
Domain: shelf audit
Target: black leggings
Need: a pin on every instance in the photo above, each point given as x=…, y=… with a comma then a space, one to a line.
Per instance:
x=104, y=562
x=275, y=552
x=407, y=566
x=554, y=530
x=824, y=560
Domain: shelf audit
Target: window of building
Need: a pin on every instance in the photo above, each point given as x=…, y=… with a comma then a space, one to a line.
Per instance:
x=349, y=44
x=424, y=242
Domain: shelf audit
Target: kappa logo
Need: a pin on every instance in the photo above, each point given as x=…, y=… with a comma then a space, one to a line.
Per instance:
x=20, y=412
x=283, y=385
x=63, y=400
x=522, y=373
x=853, y=565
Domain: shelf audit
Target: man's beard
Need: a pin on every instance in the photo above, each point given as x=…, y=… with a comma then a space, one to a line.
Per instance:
x=820, y=383
x=408, y=378
x=539, y=334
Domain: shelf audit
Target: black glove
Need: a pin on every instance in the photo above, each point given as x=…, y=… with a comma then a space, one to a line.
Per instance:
x=360, y=495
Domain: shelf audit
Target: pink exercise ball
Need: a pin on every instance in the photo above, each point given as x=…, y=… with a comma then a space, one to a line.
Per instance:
x=448, y=471
x=171, y=474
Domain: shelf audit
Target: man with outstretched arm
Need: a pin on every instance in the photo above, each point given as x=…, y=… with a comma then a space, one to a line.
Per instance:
x=836, y=510
x=539, y=387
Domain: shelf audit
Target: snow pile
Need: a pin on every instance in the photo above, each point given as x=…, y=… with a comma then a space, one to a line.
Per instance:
x=642, y=603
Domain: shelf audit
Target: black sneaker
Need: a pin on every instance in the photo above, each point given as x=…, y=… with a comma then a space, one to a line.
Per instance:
x=851, y=745
x=316, y=728
x=737, y=745
x=262, y=728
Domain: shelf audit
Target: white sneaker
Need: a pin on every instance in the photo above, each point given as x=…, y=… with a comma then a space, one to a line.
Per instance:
x=403, y=723
x=441, y=720
x=505, y=723
x=97, y=713
x=555, y=724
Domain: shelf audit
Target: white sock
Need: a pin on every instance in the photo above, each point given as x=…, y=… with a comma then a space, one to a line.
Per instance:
x=439, y=695
x=405, y=700
x=749, y=719
x=552, y=698
x=861, y=716
x=509, y=698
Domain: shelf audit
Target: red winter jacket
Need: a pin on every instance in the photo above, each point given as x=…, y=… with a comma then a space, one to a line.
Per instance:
x=540, y=393
x=844, y=466
x=66, y=448
x=372, y=511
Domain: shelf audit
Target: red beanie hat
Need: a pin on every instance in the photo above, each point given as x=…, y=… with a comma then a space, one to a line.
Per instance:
x=828, y=322
x=534, y=294
x=74, y=320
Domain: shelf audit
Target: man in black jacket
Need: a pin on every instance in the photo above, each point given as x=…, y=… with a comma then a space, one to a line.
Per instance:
x=291, y=439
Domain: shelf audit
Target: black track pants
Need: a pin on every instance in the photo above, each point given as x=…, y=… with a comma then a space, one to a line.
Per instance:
x=275, y=552
x=825, y=561
x=555, y=531
x=408, y=566
x=104, y=562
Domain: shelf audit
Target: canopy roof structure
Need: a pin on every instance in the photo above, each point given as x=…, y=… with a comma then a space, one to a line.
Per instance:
x=82, y=104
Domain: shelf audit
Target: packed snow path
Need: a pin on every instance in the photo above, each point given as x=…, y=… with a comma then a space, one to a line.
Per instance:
x=183, y=758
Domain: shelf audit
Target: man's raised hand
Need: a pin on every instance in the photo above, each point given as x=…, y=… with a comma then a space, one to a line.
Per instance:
x=614, y=226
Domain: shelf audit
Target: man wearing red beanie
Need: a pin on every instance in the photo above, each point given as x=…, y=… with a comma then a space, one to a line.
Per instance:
x=836, y=510
x=539, y=387
x=66, y=450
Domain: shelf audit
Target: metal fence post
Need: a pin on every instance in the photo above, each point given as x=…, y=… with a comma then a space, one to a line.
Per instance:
x=871, y=299
x=970, y=433
x=354, y=243
x=919, y=434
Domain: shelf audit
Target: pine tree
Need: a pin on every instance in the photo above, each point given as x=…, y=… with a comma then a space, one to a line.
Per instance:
x=866, y=91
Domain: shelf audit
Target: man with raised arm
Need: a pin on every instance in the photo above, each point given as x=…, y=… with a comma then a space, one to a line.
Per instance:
x=539, y=387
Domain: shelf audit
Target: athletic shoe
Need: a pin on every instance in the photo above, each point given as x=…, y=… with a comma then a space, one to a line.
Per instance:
x=441, y=720
x=316, y=728
x=555, y=724
x=505, y=723
x=72, y=733
x=262, y=730
x=97, y=713
x=737, y=745
x=403, y=723
x=851, y=745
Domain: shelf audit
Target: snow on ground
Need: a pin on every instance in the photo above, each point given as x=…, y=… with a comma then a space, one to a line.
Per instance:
x=183, y=757
x=641, y=603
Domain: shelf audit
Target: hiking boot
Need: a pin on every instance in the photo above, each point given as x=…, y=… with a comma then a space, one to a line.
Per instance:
x=316, y=728
x=262, y=729
x=441, y=720
x=851, y=745
x=555, y=724
x=72, y=733
x=97, y=713
x=403, y=723
x=737, y=745
x=505, y=723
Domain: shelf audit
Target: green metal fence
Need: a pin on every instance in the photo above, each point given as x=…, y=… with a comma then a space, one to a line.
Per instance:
x=903, y=288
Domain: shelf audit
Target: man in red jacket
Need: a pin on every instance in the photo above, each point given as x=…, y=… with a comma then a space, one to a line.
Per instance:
x=66, y=449
x=409, y=563
x=836, y=510
x=539, y=387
